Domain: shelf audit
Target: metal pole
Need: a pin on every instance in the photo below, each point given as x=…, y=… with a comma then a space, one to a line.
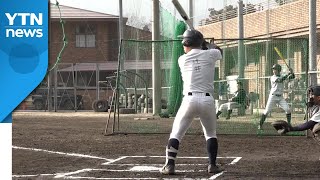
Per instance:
x=55, y=89
x=49, y=84
x=136, y=81
x=268, y=62
x=312, y=42
x=120, y=21
x=223, y=34
x=156, y=68
x=74, y=89
x=97, y=82
x=288, y=53
x=240, y=42
x=116, y=102
x=120, y=29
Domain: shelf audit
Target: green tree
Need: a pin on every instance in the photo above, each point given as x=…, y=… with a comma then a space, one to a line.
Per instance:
x=280, y=2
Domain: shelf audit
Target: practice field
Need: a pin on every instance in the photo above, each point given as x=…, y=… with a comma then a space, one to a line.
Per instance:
x=73, y=146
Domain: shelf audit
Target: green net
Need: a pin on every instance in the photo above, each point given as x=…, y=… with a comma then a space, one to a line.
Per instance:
x=259, y=57
x=175, y=82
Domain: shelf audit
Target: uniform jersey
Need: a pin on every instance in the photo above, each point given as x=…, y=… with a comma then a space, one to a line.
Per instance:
x=275, y=96
x=315, y=113
x=239, y=96
x=276, y=85
x=195, y=67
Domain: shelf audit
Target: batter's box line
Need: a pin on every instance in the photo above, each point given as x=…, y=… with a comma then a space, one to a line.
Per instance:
x=110, y=170
x=64, y=175
x=69, y=174
x=62, y=153
x=234, y=161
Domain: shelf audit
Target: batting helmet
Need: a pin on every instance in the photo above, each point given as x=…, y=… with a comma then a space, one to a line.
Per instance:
x=276, y=67
x=192, y=38
x=240, y=83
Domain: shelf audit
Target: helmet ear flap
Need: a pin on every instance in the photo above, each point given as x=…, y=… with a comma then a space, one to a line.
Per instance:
x=186, y=42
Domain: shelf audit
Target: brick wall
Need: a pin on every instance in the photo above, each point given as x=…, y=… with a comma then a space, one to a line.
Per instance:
x=73, y=54
x=107, y=42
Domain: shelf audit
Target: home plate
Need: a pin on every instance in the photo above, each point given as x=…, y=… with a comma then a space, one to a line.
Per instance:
x=144, y=168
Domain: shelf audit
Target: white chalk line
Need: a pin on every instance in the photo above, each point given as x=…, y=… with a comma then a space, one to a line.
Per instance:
x=236, y=159
x=110, y=170
x=129, y=170
x=35, y=175
x=113, y=170
x=110, y=161
x=217, y=175
x=183, y=157
x=72, y=177
x=155, y=164
x=62, y=153
x=63, y=175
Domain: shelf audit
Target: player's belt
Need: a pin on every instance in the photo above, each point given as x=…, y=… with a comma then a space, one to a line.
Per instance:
x=190, y=94
x=278, y=95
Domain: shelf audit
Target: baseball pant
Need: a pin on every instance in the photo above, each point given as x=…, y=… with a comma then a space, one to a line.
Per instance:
x=229, y=106
x=195, y=105
x=279, y=100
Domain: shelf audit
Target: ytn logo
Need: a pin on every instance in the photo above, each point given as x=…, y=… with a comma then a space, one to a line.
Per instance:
x=24, y=25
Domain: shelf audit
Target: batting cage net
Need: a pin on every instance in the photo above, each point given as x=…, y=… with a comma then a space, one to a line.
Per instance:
x=256, y=67
x=86, y=84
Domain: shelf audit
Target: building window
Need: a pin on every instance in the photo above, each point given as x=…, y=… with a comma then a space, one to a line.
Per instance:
x=86, y=36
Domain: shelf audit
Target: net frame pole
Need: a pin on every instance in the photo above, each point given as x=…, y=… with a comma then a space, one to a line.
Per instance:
x=156, y=67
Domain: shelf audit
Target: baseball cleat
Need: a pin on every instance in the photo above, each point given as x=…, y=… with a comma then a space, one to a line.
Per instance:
x=167, y=169
x=214, y=169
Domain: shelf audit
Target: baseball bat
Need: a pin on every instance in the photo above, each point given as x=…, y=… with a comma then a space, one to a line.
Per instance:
x=183, y=14
x=281, y=56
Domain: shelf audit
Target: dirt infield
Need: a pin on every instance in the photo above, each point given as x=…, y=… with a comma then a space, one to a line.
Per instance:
x=73, y=146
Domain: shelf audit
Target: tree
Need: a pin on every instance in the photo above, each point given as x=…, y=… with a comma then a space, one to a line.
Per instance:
x=146, y=27
x=280, y=2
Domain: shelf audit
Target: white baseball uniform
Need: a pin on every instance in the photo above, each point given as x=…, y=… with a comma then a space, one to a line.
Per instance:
x=315, y=113
x=197, y=69
x=276, y=95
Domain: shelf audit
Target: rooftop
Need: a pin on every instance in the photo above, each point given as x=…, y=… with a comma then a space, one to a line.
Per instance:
x=77, y=13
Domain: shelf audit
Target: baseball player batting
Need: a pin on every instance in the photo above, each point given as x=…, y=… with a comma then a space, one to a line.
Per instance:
x=197, y=70
x=276, y=94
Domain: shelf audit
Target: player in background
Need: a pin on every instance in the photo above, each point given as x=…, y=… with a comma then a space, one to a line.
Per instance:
x=238, y=99
x=276, y=94
x=197, y=70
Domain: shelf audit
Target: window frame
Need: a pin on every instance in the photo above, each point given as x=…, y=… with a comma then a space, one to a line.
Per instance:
x=85, y=35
